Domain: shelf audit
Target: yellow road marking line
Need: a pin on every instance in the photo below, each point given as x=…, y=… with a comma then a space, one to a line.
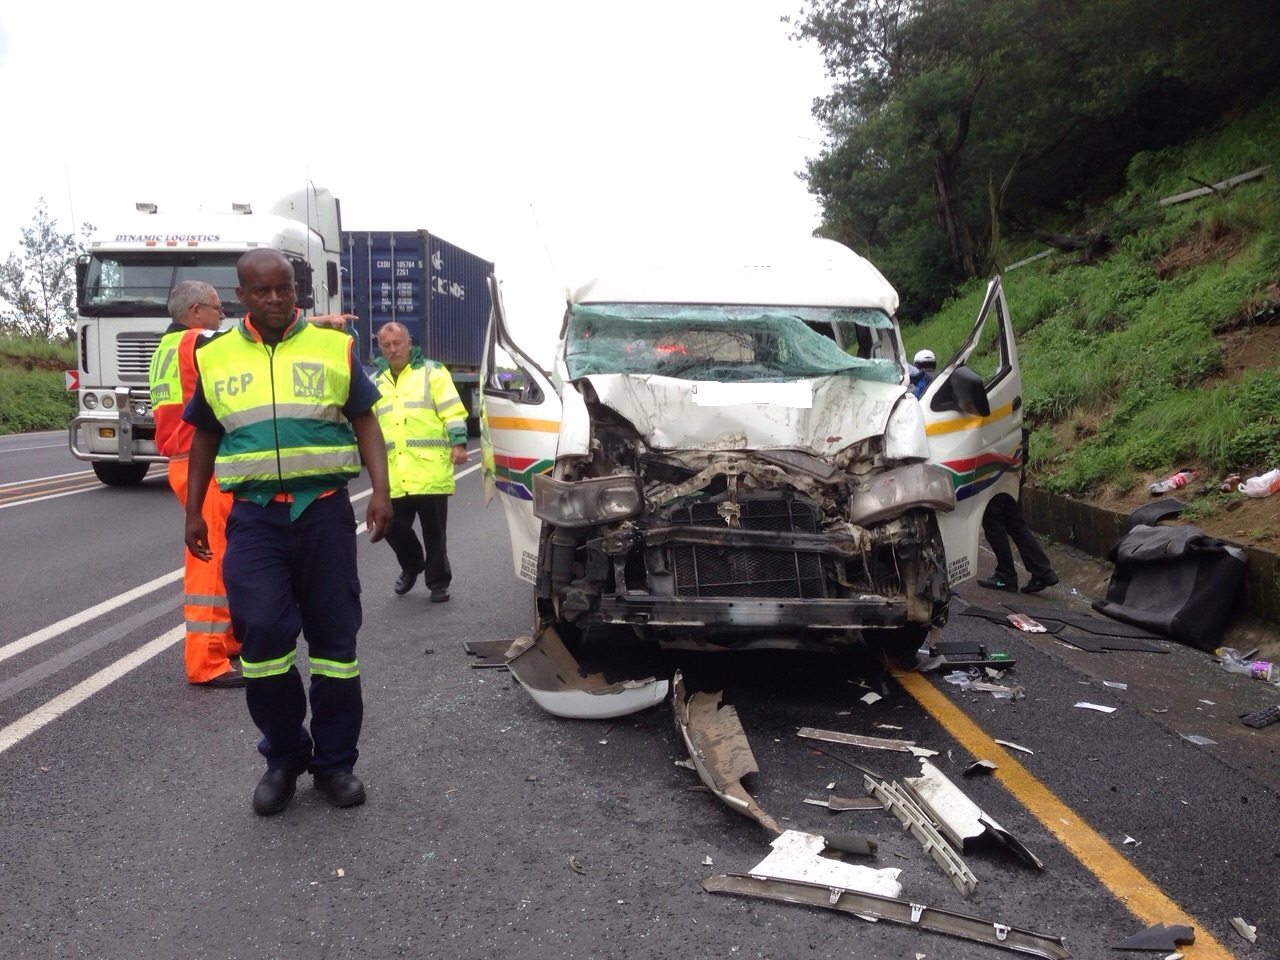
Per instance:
x=1139, y=895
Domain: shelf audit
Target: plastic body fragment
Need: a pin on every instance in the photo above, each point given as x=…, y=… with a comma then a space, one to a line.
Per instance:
x=1158, y=936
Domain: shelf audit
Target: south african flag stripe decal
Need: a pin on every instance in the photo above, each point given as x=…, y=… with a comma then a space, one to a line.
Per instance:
x=972, y=475
x=514, y=475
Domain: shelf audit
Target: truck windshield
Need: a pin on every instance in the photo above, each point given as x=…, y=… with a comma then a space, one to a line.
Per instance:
x=730, y=343
x=138, y=284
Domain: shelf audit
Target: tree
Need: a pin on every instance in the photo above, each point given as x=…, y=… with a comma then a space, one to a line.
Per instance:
x=38, y=282
x=951, y=122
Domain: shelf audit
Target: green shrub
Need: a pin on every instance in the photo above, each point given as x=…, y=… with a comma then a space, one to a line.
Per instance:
x=33, y=392
x=34, y=401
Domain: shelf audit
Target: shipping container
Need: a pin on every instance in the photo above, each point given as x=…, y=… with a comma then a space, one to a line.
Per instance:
x=436, y=289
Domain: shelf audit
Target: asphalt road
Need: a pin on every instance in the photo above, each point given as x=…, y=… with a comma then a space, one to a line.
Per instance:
x=494, y=830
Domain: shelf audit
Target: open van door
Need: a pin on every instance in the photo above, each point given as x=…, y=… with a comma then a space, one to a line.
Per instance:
x=519, y=428
x=973, y=421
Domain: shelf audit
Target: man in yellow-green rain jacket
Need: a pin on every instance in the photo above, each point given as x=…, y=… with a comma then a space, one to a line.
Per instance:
x=425, y=427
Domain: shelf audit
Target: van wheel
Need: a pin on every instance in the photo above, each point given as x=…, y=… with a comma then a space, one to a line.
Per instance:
x=120, y=474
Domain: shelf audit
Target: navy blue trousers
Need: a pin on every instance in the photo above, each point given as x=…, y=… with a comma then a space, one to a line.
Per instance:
x=1003, y=521
x=284, y=578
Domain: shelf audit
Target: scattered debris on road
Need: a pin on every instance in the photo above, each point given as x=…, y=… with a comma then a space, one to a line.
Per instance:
x=870, y=906
x=918, y=824
x=1158, y=937
x=1025, y=623
x=719, y=749
x=1261, y=718
x=796, y=855
x=873, y=743
x=488, y=654
x=552, y=677
x=1015, y=746
x=1246, y=930
x=957, y=816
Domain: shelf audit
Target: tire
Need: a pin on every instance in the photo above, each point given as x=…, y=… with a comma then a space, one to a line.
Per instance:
x=120, y=474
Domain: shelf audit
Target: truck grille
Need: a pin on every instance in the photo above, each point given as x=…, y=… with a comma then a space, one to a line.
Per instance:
x=133, y=355
x=703, y=571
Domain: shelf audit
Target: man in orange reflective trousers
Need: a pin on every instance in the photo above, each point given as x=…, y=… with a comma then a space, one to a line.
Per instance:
x=196, y=311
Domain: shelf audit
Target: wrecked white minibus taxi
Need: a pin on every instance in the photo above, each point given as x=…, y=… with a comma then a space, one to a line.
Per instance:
x=727, y=459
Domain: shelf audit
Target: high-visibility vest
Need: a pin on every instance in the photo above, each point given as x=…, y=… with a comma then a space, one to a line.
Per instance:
x=421, y=417
x=172, y=377
x=281, y=407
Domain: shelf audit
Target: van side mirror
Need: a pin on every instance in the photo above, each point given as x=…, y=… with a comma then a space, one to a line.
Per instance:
x=963, y=390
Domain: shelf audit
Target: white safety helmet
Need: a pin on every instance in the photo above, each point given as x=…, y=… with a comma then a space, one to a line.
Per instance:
x=925, y=358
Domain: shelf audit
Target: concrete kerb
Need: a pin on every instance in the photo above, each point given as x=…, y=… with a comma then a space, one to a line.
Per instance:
x=1084, y=533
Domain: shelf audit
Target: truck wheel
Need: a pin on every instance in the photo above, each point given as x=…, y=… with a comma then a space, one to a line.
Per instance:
x=120, y=474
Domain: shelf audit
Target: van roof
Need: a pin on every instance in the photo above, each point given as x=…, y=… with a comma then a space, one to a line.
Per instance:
x=808, y=273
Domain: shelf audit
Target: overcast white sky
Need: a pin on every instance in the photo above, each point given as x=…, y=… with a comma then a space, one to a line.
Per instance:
x=544, y=136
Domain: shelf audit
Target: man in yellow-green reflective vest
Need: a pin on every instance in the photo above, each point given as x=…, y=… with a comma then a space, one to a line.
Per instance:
x=425, y=427
x=283, y=414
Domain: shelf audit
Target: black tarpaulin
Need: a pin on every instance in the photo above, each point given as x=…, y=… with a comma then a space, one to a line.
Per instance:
x=1175, y=580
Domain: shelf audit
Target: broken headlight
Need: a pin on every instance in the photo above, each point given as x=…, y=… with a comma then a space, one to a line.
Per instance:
x=919, y=486
x=585, y=503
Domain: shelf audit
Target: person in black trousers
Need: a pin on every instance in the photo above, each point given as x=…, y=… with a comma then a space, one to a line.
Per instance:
x=1003, y=521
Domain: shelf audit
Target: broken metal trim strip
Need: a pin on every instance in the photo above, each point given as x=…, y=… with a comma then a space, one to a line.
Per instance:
x=857, y=740
x=893, y=910
x=913, y=819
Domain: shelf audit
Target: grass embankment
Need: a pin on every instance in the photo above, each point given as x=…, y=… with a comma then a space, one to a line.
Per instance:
x=1165, y=353
x=33, y=391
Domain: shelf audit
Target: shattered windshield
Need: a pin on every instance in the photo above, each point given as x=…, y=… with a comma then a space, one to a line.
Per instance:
x=730, y=343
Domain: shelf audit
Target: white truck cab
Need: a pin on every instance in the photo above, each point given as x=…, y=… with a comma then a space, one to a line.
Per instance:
x=730, y=458
x=123, y=286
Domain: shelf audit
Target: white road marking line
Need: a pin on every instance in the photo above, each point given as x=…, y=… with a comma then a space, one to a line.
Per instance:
x=42, y=446
x=45, y=714
x=56, y=476
x=76, y=619
x=52, y=496
x=62, y=626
